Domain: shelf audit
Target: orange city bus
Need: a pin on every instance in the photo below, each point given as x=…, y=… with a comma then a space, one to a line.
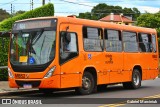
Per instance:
x=51, y=53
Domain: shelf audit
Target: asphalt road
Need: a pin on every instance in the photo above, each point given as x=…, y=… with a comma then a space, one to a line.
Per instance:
x=114, y=96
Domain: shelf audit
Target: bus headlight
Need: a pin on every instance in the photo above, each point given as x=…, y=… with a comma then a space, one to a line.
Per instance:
x=10, y=73
x=50, y=72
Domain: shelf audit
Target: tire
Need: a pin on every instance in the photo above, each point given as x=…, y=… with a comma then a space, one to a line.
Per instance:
x=46, y=91
x=102, y=87
x=88, y=84
x=136, y=80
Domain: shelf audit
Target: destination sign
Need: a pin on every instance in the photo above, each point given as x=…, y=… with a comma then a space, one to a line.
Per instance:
x=34, y=24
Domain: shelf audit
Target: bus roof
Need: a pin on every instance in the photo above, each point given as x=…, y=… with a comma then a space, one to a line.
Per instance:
x=94, y=23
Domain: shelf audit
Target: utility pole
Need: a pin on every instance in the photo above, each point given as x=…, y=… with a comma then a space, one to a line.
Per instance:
x=32, y=4
x=43, y=2
x=11, y=10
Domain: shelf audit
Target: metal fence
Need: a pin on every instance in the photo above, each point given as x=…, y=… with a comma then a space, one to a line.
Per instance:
x=3, y=67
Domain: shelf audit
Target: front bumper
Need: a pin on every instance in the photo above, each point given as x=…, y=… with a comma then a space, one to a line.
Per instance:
x=52, y=82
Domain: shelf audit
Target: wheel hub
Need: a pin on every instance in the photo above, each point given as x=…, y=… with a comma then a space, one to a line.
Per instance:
x=136, y=79
x=86, y=83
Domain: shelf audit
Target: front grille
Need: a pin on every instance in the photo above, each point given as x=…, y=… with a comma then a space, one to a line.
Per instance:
x=30, y=68
x=33, y=83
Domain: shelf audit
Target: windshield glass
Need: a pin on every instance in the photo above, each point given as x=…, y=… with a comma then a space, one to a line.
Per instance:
x=32, y=47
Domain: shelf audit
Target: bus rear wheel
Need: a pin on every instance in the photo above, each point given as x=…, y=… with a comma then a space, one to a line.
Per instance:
x=88, y=84
x=136, y=80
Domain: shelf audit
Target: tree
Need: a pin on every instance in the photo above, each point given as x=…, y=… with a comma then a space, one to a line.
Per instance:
x=86, y=15
x=101, y=10
x=149, y=20
x=136, y=14
x=3, y=14
x=19, y=12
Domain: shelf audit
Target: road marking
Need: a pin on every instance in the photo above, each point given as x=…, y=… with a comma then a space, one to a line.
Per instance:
x=154, y=96
x=125, y=102
x=114, y=105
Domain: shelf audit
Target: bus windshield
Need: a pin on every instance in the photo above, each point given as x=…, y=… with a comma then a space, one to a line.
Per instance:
x=32, y=47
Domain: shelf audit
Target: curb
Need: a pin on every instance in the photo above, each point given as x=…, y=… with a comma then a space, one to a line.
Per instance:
x=18, y=92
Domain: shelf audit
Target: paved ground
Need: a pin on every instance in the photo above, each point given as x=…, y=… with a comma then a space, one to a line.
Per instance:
x=150, y=89
x=4, y=87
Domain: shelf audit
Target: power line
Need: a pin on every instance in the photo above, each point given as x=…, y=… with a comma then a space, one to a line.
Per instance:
x=95, y=12
x=58, y=3
x=76, y=3
x=8, y=3
x=24, y=3
x=32, y=4
x=85, y=12
x=80, y=3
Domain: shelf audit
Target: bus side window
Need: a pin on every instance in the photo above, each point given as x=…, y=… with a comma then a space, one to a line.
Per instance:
x=130, y=43
x=68, y=46
x=145, y=44
x=113, y=40
x=154, y=43
x=92, y=39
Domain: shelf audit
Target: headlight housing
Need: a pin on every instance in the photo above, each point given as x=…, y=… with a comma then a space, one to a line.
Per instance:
x=10, y=73
x=50, y=72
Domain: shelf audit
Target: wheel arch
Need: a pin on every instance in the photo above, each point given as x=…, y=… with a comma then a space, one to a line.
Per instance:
x=93, y=71
x=139, y=68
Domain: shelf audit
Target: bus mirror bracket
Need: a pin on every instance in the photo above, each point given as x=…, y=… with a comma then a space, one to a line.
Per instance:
x=67, y=28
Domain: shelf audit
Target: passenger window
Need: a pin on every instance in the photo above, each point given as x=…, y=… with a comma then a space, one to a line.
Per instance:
x=154, y=43
x=68, y=46
x=93, y=39
x=130, y=43
x=113, y=41
x=145, y=44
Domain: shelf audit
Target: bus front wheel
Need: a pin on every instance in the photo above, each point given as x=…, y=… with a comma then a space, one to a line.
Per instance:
x=88, y=84
x=136, y=80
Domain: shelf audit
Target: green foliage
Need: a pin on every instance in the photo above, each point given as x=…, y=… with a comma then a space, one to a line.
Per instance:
x=101, y=10
x=86, y=15
x=4, y=43
x=19, y=12
x=6, y=25
x=3, y=75
x=46, y=10
x=3, y=14
x=150, y=20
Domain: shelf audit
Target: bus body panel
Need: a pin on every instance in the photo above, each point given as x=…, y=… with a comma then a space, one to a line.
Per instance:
x=114, y=65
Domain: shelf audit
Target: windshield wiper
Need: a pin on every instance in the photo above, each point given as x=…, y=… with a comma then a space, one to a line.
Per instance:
x=37, y=36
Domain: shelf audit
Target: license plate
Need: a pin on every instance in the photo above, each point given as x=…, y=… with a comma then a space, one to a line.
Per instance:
x=27, y=86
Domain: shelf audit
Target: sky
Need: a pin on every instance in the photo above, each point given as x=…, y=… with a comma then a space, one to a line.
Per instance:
x=70, y=7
